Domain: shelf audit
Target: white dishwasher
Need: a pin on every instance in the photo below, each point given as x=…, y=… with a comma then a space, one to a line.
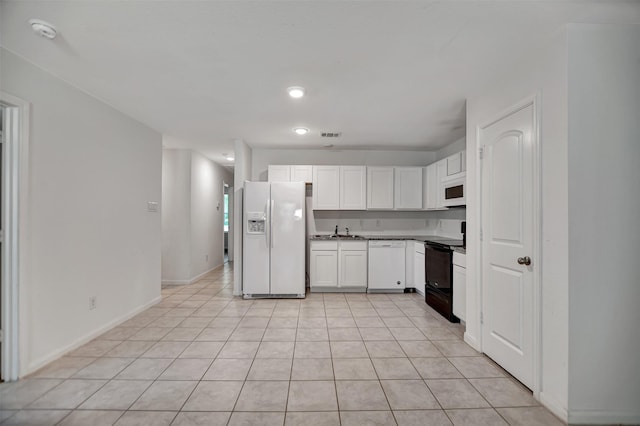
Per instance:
x=386, y=266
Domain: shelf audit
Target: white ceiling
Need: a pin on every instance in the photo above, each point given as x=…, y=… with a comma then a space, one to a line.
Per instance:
x=386, y=74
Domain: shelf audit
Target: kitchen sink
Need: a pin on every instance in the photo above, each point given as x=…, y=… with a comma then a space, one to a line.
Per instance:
x=337, y=237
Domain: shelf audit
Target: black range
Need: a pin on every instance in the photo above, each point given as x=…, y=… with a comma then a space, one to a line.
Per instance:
x=439, y=275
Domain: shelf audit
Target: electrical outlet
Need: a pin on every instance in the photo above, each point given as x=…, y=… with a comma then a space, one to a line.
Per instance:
x=92, y=302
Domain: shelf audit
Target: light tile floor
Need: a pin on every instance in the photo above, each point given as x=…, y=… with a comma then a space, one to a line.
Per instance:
x=204, y=357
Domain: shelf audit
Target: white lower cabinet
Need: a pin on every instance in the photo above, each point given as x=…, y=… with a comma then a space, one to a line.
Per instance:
x=352, y=265
x=419, y=279
x=323, y=268
x=459, y=285
x=338, y=265
x=415, y=266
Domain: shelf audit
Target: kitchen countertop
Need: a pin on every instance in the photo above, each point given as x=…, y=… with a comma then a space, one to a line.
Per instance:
x=329, y=237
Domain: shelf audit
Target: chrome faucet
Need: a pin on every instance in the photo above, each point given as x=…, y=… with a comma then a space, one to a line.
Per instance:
x=347, y=229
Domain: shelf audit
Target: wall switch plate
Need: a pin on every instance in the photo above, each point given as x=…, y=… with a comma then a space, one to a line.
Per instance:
x=152, y=206
x=92, y=302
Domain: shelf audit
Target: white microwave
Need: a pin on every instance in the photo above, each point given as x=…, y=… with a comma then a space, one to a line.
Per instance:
x=454, y=190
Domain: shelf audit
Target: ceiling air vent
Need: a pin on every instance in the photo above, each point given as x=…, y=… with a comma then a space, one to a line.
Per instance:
x=330, y=134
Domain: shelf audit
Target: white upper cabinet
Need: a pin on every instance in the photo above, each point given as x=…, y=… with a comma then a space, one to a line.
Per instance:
x=326, y=187
x=339, y=188
x=457, y=163
x=353, y=188
x=301, y=174
x=442, y=173
x=290, y=173
x=454, y=164
x=380, y=188
x=279, y=174
x=408, y=188
x=430, y=187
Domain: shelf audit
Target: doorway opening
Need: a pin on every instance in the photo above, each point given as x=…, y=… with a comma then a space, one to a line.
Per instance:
x=226, y=223
x=14, y=126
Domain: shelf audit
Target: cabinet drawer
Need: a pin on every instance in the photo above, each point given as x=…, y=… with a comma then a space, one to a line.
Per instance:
x=324, y=245
x=353, y=245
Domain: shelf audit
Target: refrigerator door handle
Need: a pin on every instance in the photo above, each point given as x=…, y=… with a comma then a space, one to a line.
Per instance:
x=267, y=227
x=272, y=204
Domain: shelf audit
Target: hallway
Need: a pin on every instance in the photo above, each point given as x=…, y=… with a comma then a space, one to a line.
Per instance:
x=204, y=357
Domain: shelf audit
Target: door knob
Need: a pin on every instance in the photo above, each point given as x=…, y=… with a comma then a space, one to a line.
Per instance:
x=524, y=260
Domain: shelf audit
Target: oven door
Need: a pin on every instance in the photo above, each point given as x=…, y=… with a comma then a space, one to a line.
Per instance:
x=438, y=267
x=455, y=191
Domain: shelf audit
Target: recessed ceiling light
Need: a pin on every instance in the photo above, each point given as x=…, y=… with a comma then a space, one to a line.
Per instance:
x=43, y=29
x=228, y=157
x=296, y=91
x=301, y=130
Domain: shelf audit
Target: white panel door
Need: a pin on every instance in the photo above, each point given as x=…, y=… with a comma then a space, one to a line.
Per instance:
x=380, y=188
x=279, y=173
x=301, y=174
x=352, y=268
x=323, y=269
x=353, y=188
x=326, y=187
x=507, y=228
x=255, y=247
x=288, y=238
x=408, y=188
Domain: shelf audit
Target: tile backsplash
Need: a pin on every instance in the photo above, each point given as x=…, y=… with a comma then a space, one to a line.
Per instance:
x=444, y=223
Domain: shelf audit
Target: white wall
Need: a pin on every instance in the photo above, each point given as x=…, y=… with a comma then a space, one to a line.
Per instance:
x=604, y=226
x=192, y=215
x=543, y=72
x=263, y=157
x=91, y=172
x=175, y=212
x=242, y=173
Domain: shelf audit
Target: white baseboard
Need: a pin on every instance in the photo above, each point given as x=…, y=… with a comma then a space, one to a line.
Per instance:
x=603, y=417
x=553, y=405
x=192, y=280
x=42, y=361
x=471, y=341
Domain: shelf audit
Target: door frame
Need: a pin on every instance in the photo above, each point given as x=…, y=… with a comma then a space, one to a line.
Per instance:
x=534, y=101
x=15, y=184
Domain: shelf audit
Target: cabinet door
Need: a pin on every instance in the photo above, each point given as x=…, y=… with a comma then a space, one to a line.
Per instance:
x=408, y=188
x=408, y=263
x=279, y=174
x=324, y=269
x=353, y=188
x=430, y=185
x=460, y=292
x=442, y=173
x=380, y=188
x=326, y=187
x=454, y=164
x=419, y=279
x=301, y=174
x=352, y=268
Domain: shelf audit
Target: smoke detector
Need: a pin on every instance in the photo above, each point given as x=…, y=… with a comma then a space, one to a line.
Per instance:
x=43, y=29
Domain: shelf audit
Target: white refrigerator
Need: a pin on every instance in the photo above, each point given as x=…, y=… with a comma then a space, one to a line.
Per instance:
x=274, y=236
